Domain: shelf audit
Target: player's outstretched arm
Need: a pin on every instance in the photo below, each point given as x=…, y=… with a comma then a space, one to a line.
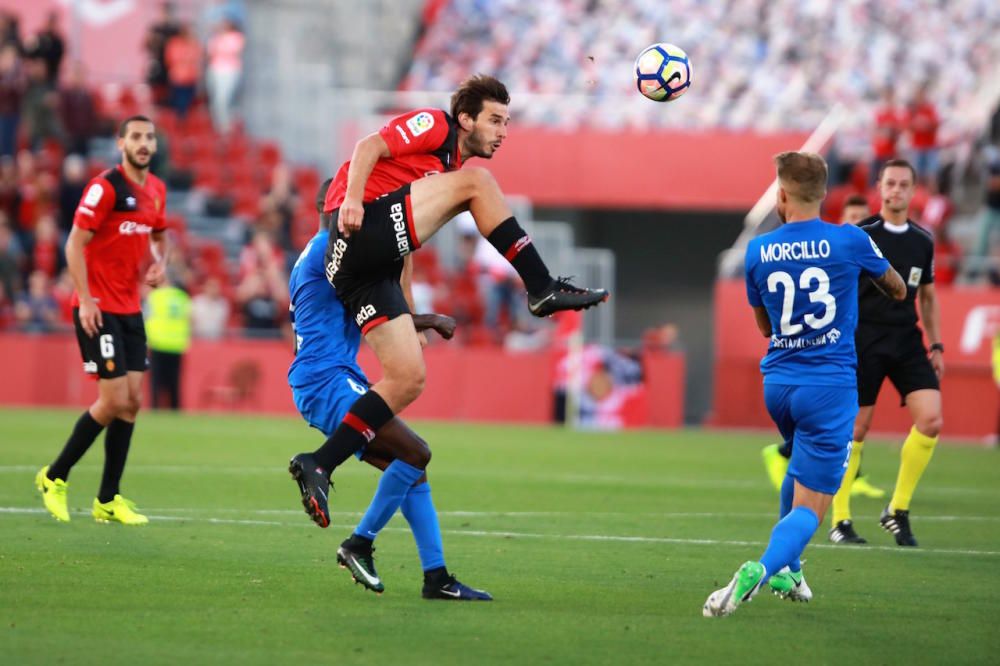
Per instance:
x=763, y=320
x=443, y=324
x=891, y=284
x=366, y=154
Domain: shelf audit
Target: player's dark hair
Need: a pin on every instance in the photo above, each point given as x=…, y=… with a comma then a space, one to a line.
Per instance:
x=856, y=200
x=474, y=91
x=321, y=195
x=802, y=175
x=897, y=162
x=123, y=128
x=325, y=220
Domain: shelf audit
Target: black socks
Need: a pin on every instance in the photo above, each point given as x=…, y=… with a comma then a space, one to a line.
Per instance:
x=116, y=444
x=366, y=416
x=84, y=433
x=515, y=245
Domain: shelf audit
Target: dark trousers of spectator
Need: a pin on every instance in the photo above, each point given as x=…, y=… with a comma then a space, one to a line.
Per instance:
x=77, y=145
x=181, y=99
x=165, y=368
x=8, y=133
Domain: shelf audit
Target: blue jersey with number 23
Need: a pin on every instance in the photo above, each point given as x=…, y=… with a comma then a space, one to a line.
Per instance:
x=806, y=275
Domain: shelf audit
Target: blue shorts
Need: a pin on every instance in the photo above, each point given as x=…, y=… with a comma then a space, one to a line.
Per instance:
x=819, y=421
x=325, y=403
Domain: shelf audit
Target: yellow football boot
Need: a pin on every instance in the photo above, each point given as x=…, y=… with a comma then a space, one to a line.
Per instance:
x=118, y=510
x=862, y=487
x=53, y=494
x=775, y=464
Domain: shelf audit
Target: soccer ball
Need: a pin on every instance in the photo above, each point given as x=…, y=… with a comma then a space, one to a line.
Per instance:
x=662, y=72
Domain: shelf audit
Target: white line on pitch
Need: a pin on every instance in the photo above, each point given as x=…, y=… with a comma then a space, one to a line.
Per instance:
x=569, y=478
x=532, y=535
x=565, y=514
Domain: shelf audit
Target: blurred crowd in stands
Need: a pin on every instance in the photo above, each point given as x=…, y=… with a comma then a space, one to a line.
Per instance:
x=758, y=64
x=57, y=130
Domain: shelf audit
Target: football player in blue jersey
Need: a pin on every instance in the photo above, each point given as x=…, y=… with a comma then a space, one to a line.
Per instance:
x=325, y=381
x=802, y=282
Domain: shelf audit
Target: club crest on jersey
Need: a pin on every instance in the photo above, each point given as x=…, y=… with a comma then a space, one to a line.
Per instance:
x=915, y=275
x=93, y=196
x=420, y=123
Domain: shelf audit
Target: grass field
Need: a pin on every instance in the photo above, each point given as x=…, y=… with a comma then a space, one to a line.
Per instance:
x=599, y=548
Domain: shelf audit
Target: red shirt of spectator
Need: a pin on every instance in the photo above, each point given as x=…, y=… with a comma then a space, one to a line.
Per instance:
x=888, y=124
x=121, y=213
x=923, y=124
x=422, y=142
x=183, y=57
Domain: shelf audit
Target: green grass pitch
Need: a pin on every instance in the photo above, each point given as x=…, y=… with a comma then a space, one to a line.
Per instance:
x=599, y=549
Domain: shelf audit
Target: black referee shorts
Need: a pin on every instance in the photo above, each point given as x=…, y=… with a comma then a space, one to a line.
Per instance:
x=365, y=268
x=118, y=348
x=894, y=352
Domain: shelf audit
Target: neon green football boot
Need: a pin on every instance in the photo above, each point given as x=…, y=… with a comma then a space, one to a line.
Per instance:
x=741, y=588
x=53, y=494
x=118, y=510
x=791, y=585
x=863, y=487
x=775, y=464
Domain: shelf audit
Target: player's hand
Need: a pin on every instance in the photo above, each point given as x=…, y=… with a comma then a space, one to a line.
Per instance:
x=90, y=317
x=156, y=275
x=350, y=216
x=422, y=337
x=444, y=325
x=937, y=362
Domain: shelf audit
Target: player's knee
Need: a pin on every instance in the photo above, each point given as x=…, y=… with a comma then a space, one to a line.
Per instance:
x=132, y=407
x=414, y=386
x=406, y=383
x=417, y=452
x=479, y=179
x=421, y=453
x=860, y=432
x=930, y=425
x=116, y=404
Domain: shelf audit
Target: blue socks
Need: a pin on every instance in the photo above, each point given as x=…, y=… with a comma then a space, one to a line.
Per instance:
x=418, y=509
x=788, y=539
x=787, y=495
x=391, y=491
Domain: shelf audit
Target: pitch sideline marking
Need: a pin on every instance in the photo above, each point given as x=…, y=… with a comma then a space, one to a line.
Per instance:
x=532, y=535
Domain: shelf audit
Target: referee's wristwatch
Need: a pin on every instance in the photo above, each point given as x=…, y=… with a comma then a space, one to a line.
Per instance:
x=937, y=346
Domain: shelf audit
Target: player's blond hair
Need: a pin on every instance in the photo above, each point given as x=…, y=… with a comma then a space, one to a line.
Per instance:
x=802, y=175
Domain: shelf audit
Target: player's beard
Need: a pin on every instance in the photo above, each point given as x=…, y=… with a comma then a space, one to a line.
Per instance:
x=477, y=146
x=133, y=159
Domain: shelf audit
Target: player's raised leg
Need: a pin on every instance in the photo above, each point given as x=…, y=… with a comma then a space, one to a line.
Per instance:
x=438, y=198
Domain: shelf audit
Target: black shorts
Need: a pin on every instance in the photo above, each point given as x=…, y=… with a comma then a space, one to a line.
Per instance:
x=365, y=268
x=896, y=353
x=119, y=346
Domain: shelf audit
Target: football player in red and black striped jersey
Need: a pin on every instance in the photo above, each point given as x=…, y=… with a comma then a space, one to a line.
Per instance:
x=120, y=218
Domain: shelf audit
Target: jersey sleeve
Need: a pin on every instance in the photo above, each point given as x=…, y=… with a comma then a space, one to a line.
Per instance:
x=927, y=275
x=417, y=132
x=160, y=220
x=867, y=253
x=98, y=199
x=753, y=294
